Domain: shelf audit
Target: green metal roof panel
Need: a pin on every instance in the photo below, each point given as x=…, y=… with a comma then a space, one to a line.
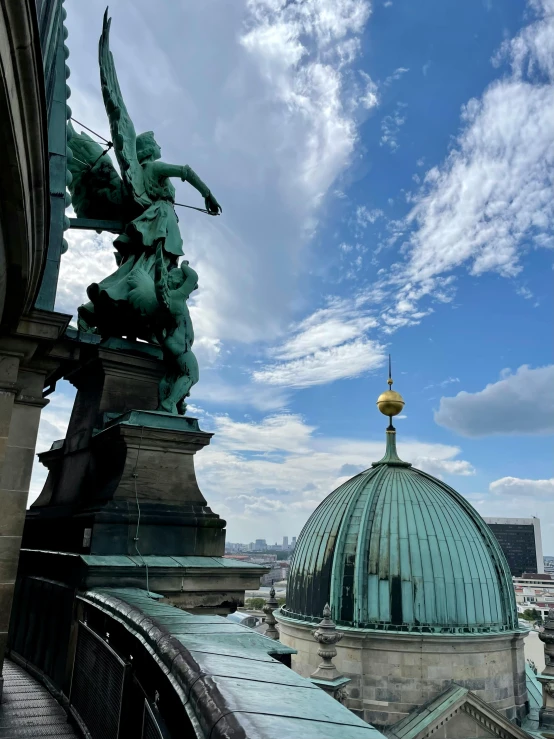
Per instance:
x=290, y=702
x=213, y=628
x=261, y=725
x=111, y=560
x=394, y=548
x=230, y=676
x=419, y=719
x=534, y=693
x=534, y=689
x=266, y=672
x=116, y=560
x=240, y=645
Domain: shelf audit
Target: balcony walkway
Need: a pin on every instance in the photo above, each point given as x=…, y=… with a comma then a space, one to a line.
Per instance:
x=28, y=709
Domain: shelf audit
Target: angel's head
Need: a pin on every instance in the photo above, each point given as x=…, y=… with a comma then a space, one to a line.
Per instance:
x=147, y=147
x=175, y=278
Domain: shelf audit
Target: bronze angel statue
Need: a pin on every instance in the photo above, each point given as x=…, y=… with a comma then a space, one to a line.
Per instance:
x=140, y=298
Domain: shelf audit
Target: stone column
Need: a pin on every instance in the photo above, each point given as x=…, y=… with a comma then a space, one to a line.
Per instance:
x=546, y=714
x=327, y=676
x=25, y=362
x=20, y=409
x=268, y=609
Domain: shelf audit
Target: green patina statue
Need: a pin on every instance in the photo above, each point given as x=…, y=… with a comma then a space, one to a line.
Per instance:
x=146, y=296
x=162, y=303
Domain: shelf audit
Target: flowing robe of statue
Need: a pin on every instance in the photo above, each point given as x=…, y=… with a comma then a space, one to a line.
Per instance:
x=126, y=302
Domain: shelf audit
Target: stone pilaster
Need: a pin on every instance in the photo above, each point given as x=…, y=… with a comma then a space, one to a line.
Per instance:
x=546, y=715
x=24, y=365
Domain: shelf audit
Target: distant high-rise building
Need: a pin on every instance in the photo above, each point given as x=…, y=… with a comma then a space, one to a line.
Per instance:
x=260, y=545
x=285, y=542
x=520, y=539
x=293, y=543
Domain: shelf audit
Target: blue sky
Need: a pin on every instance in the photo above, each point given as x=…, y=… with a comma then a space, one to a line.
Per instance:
x=385, y=171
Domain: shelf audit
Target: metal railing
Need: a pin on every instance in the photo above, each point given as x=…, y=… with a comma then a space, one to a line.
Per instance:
x=153, y=726
x=98, y=685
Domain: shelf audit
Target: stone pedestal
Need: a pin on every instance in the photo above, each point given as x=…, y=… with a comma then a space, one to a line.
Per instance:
x=122, y=482
x=546, y=713
x=335, y=688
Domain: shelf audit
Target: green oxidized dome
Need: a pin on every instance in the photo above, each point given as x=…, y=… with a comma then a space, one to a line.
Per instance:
x=396, y=549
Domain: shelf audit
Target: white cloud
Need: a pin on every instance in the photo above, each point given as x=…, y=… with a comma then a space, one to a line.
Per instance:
x=441, y=467
x=53, y=425
x=443, y=383
x=519, y=403
x=269, y=476
x=327, y=327
x=325, y=365
x=514, y=497
x=396, y=75
x=89, y=258
x=515, y=486
x=390, y=127
x=299, y=47
x=365, y=216
x=330, y=344
x=490, y=201
x=284, y=432
x=369, y=98
x=214, y=388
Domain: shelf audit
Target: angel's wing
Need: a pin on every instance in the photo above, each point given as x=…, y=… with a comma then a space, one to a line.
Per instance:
x=121, y=126
x=142, y=294
x=96, y=188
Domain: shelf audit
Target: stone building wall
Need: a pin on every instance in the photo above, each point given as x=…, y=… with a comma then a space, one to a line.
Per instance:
x=393, y=673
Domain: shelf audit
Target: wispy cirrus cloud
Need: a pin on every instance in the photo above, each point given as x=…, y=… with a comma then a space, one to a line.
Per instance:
x=391, y=125
x=490, y=201
x=328, y=345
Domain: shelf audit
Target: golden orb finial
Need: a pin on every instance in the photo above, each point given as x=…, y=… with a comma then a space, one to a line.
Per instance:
x=390, y=403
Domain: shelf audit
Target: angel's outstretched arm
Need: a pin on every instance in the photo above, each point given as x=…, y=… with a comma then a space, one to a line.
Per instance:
x=162, y=169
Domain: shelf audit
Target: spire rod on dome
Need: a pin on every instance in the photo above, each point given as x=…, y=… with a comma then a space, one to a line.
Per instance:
x=390, y=403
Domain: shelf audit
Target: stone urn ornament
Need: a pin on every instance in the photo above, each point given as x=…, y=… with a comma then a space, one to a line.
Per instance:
x=327, y=636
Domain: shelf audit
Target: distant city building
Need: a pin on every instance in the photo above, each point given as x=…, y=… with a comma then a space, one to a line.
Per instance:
x=293, y=544
x=285, y=542
x=549, y=564
x=520, y=539
x=278, y=573
x=260, y=545
x=534, y=591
